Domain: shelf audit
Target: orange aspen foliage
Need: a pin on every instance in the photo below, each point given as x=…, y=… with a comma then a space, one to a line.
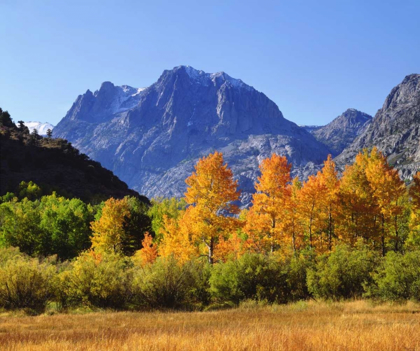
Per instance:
x=294, y=228
x=148, y=253
x=329, y=180
x=108, y=231
x=415, y=192
x=266, y=219
x=233, y=247
x=258, y=230
x=97, y=256
x=388, y=189
x=311, y=206
x=211, y=192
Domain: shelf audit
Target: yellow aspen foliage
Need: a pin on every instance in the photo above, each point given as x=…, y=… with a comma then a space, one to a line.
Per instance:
x=387, y=189
x=148, y=253
x=266, y=219
x=294, y=227
x=211, y=192
x=329, y=179
x=258, y=231
x=415, y=192
x=177, y=238
x=414, y=238
x=358, y=216
x=108, y=231
x=311, y=206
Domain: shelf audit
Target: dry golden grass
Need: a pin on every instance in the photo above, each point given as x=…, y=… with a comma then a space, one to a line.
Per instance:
x=302, y=326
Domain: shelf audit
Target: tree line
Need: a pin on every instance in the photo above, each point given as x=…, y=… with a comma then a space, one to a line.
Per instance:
x=326, y=237
x=369, y=202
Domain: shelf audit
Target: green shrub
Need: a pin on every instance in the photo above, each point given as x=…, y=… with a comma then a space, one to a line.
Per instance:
x=99, y=280
x=398, y=278
x=297, y=269
x=200, y=271
x=252, y=276
x=168, y=284
x=24, y=282
x=343, y=274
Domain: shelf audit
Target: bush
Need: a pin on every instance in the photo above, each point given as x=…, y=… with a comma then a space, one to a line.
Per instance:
x=9, y=253
x=298, y=266
x=24, y=282
x=398, y=278
x=168, y=284
x=200, y=293
x=99, y=280
x=252, y=276
x=344, y=273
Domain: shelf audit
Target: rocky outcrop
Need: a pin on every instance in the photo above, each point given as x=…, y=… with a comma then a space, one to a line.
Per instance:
x=342, y=131
x=395, y=129
x=152, y=138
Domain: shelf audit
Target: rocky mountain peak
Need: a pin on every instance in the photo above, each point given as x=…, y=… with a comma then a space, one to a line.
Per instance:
x=341, y=132
x=395, y=129
x=351, y=115
x=403, y=93
x=153, y=138
x=199, y=77
x=106, y=86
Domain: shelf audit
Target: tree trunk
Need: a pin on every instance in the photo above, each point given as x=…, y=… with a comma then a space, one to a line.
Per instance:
x=397, y=239
x=211, y=249
x=329, y=230
x=383, y=236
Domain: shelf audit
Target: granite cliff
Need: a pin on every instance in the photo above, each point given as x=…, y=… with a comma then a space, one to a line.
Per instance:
x=395, y=129
x=151, y=138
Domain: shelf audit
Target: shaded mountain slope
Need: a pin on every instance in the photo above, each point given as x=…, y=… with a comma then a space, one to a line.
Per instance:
x=152, y=137
x=55, y=165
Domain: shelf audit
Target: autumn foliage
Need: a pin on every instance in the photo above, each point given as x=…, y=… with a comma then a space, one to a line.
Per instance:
x=108, y=231
x=148, y=253
x=369, y=202
x=210, y=196
x=331, y=236
x=267, y=217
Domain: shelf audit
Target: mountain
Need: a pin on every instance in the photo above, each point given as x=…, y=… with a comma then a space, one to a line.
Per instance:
x=395, y=129
x=39, y=126
x=310, y=129
x=341, y=132
x=151, y=138
x=55, y=165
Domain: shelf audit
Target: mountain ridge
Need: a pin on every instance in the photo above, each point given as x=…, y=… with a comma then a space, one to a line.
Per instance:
x=185, y=115
x=341, y=131
x=395, y=129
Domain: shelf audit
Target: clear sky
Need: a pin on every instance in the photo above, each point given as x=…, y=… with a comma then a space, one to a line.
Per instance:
x=313, y=58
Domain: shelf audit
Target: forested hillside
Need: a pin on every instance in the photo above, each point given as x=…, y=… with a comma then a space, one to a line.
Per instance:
x=327, y=237
x=53, y=164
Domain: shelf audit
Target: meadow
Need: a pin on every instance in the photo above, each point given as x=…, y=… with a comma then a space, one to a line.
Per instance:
x=354, y=325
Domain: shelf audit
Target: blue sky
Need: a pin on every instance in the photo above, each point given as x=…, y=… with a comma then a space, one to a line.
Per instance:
x=314, y=59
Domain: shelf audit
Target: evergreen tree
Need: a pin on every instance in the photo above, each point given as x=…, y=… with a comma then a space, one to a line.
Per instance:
x=6, y=120
x=21, y=126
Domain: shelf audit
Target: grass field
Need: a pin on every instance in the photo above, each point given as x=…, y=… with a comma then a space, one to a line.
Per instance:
x=302, y=326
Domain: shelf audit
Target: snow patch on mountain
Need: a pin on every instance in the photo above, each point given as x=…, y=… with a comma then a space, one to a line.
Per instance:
x=210, y=78
x=39, y=126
